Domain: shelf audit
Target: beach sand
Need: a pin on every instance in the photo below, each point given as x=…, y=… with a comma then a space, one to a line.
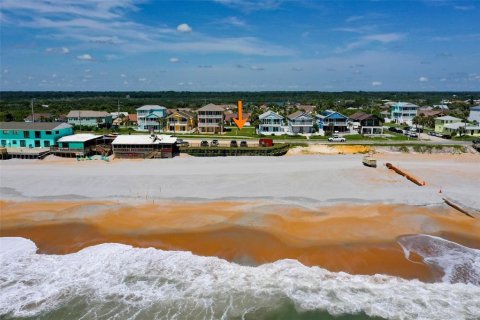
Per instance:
x=327, y=211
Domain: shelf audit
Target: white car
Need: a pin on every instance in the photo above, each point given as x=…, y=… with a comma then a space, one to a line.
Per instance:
x=337, y=139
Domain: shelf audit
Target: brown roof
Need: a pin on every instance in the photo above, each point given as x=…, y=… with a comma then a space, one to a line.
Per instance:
x=132, y=117
x=230, y=116
x=39, y=116
x=211, y=107
x=183, y=113
x=432, y=113
x=359, y=116
x=306, y=108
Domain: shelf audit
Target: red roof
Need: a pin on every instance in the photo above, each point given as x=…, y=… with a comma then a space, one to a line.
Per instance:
x=132, y=117
x=231, y=116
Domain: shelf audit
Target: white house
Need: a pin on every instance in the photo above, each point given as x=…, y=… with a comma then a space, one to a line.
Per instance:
x=300, y=122
x=404, y=112
x=271, y=123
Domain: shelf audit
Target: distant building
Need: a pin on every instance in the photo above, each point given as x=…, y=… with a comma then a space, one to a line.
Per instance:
x=89, y=118
x=32, y=134
x=39, y=117
x=332, y=121
x=404, y=112
x=116, y=115
x=300, y=122
x=440, y=123
x=271, y=123
x=474, y=114
x=132, y=119
x=210, y=118
x=181, y=121
x=149, y=117
x=367, y=123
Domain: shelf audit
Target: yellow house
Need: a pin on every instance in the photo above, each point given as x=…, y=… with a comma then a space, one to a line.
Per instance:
x=440, y=122
x=181, y=121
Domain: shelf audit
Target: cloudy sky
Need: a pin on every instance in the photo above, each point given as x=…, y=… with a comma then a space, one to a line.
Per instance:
x=229, y=45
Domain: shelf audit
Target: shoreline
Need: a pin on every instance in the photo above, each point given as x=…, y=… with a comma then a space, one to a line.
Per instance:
x=357, y=239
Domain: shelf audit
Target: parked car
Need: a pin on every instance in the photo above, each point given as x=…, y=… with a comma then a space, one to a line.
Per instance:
x=392, y=129
x=412, y=135
x=432, y=133
x=233, y=144
x=243, y=144
x=336, y=138
x=214, y=143
x=204, y=143
x=446, y=136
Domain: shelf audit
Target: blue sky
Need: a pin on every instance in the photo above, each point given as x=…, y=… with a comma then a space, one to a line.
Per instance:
x=232, y=45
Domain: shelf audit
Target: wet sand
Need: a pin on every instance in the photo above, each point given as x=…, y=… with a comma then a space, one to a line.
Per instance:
x=358, y=239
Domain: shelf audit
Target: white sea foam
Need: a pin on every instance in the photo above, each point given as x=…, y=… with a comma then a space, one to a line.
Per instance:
x=456, y=262
x=111, y=280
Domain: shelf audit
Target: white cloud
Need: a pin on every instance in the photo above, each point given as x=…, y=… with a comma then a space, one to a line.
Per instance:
x=85, y=57
x=464, y=8
x=61, y=50
x=234, y=21
x=184, y=28
x=174, y=60
x=383, y=38
x=142, y=79
x=123, y=75
x=423, y=79
x=251, y=5
x=354, y=18
x=257, y=68
x=376, y=83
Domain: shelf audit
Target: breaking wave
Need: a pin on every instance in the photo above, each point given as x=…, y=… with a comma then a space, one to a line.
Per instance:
x=118, y=281
x=458, y=264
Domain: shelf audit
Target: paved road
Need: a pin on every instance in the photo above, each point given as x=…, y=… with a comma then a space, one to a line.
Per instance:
x=424, y=139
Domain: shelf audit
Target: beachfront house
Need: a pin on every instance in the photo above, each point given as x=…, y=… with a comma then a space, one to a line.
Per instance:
x=368, y=124
x=83, y=144
x=32, y=134
x=150, y=118
x=90, y=118
x=332, y=121
x=181, y=121
x=271, y=123
x=474, y=115
x=145, y=146
x=440, y=123
x=233, y=115
x=404, y=112
x=300, y=122
x=211, y=118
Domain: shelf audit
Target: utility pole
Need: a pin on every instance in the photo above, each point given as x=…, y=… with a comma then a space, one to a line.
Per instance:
x=33, y=115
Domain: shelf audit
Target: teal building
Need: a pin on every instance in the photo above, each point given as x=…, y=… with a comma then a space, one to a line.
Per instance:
x=90, y=118
x=149, y=117
x=32, y=134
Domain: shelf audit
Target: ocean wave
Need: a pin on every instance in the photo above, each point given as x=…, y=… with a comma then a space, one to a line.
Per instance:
x=114, y=281
x=456, y=262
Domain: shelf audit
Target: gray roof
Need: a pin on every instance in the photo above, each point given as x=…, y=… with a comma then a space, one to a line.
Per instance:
x=151, y=107
x=297, y=114
x=211, y=107
x=269, y=112
x=47, y=126
x=87, y=114
x=448, y=118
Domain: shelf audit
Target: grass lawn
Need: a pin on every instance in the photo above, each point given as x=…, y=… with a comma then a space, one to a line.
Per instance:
x=465, y=138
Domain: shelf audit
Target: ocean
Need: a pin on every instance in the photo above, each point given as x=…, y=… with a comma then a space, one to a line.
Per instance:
x=116, y=281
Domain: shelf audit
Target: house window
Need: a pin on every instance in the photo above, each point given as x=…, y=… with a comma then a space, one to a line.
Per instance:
x=15, y=132
x=22, y=143
x=14, y=141
x=48, y=133
x=57, y=132
x=26, y=134
x=5, y=131
x=37, y=143
x=37, y=134
x=4, y=143
x=46, y=143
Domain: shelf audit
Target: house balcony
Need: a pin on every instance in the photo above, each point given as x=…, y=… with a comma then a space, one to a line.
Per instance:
x=209, y=124
x=213, y=116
